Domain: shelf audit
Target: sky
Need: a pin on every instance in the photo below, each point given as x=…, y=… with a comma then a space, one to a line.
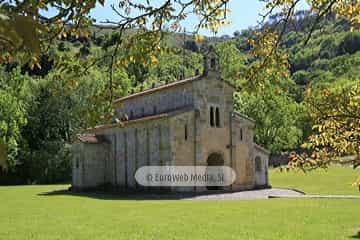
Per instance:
x=244, y=14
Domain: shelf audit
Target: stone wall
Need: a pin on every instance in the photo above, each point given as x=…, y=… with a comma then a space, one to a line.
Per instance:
x=243, y=148
x=211, y=92
x=136, y=145
x=89, y=164
x=261, y=174
x=183, y=139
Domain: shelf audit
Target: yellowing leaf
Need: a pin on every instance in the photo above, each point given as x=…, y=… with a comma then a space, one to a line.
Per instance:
x=199, y=38
x=26, y=28
x=154, y=60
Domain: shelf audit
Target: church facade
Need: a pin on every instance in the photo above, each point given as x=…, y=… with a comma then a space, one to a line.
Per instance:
x=191, y=122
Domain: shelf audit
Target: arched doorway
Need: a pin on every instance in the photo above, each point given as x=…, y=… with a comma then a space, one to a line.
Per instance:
x=215, y=159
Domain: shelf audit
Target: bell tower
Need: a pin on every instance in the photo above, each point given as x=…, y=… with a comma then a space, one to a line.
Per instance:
x=211, y=62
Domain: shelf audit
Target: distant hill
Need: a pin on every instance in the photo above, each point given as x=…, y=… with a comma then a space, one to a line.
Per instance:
x=331, y=55
x=172, y=39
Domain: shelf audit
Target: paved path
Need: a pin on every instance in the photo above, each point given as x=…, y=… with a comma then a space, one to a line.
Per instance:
x=320, y=196
x=265, y=194
x=243, y=195
x=247, y=195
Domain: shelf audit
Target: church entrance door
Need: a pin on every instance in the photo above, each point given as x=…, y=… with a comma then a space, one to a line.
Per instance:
x=215, y=159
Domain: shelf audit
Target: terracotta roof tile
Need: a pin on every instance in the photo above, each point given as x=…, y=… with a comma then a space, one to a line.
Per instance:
x=88, y=138
x=261, y=148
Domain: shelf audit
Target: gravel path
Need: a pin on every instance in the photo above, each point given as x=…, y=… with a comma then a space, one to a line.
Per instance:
x=243, y=195
x=247, y=195
x=265, y=194
x=320, y=196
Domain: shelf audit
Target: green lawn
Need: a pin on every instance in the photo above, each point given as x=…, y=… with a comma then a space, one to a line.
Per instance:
x=26, y=214
x=335, y=180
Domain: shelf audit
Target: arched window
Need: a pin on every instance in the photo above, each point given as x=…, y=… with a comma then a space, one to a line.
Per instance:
x=211, y=116
x=258, y=164
x=217, y=117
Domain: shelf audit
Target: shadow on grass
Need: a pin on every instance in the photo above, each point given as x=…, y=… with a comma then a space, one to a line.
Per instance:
x=356, y=236
x=133, y=195
x=109, y=193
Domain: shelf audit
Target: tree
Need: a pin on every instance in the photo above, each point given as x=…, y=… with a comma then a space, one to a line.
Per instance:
x=174, y=64
x=13, y=105
x=301, y=77
x=26, y=32
x=336, y=116
x=232, y=61
x=328, y=48
x=270, y=65
x=84, y=51
x=191, y=45
x=350, y=44
x=60, y=108
x=25, y=28
x=278, y=118
x=11, y=120
x=237, y=33
x=62, y=47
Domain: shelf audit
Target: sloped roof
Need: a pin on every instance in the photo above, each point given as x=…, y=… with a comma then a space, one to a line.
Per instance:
x=166, y=86
x=243, y=116
x=262, y=149
x=143, y=119
x=162, y=87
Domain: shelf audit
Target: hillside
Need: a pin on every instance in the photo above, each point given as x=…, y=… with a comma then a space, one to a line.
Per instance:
x=330, y=56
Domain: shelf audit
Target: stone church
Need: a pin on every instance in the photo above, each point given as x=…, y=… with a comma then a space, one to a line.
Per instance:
x=190, y=122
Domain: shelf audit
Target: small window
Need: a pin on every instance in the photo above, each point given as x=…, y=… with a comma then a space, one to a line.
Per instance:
x=131, y=114
x=142, y=112
x=154, y=110
x=241, y=134
x=77, y=164
x=258, y=164
x=211, y=116
x=186, y=132
x=213, y=63
x=217, y=117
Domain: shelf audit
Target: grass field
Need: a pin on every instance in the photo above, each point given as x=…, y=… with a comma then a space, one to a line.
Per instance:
x=335, y=180
x=27, y=214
